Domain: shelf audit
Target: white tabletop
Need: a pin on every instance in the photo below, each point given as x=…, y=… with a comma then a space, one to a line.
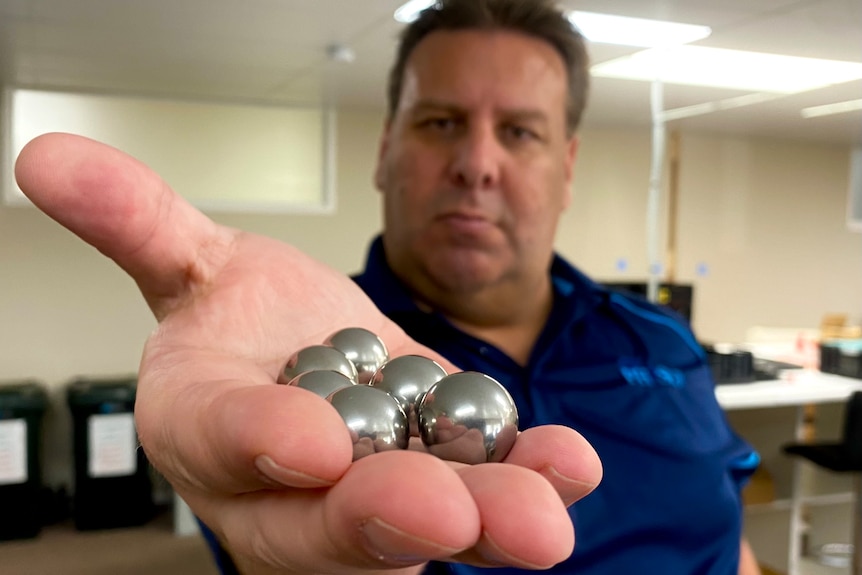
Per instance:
x=796, y=387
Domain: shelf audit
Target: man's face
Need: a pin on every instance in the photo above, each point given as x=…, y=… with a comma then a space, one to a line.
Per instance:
x=475, y=165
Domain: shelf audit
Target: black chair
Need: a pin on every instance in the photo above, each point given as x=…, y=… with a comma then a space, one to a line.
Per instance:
x=841, y=456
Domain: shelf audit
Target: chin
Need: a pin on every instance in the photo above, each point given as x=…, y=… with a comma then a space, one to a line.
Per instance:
x=462, y=272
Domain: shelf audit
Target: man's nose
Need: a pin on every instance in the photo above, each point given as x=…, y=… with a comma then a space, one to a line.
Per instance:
x=476, y=158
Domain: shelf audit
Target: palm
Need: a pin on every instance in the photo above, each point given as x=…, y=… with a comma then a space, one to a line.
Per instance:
x=268, y=467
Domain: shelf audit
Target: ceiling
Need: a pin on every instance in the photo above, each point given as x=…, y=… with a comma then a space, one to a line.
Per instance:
x=274, y=51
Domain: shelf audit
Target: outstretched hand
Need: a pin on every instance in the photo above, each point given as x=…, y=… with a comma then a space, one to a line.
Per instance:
x=268, y=467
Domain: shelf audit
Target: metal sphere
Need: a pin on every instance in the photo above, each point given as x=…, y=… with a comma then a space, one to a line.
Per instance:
x=375, y=420
x=468, y=417
x=406, y=378
x=322, y=382
x=317, y=358
x=363, y=348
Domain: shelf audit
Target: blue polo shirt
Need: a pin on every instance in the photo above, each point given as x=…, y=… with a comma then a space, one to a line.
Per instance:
x=632, y=379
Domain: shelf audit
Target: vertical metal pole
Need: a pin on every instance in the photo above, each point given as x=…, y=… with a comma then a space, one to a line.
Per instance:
x=672, y=207
x=796, y=527
x=654, y=198
x=857, y=528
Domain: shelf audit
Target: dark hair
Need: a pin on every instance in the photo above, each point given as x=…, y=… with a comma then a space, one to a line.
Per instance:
x=536, y=18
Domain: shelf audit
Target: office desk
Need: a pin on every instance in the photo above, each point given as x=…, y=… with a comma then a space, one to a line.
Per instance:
x=796, y=388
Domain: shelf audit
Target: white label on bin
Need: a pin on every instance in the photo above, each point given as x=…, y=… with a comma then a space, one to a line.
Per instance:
x=112, y=444
x=13, y=451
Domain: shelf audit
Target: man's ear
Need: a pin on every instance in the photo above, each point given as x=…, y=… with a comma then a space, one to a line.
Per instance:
x=380, y=171
x=571, y=154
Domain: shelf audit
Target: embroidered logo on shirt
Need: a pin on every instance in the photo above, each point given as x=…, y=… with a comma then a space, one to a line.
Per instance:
x=638, y=374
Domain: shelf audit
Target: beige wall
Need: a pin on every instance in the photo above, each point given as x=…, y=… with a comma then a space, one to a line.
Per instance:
x=766, y=217
x=66, y=311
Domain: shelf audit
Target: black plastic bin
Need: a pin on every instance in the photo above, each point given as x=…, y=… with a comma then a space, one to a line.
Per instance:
x=730, y=364
x=22, y=407
x=112, y=480
x=842, y=357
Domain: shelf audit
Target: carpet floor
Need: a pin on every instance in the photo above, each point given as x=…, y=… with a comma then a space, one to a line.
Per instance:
x=151, y=549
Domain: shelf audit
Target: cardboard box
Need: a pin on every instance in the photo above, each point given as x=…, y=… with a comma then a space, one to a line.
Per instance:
x=759, y=489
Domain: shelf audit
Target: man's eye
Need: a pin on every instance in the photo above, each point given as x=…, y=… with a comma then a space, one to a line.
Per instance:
x=519, y=133
x=440, y=124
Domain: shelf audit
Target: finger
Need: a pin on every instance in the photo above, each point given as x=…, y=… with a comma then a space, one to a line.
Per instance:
x=233, y=430
x=391, y=509
x=123, y=209
x=562, y=456
x=524, y=522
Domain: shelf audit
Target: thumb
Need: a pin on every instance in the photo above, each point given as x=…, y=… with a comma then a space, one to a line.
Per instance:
x=126, y=211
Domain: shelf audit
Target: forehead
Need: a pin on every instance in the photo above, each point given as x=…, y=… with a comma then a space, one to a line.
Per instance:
x=497, y=68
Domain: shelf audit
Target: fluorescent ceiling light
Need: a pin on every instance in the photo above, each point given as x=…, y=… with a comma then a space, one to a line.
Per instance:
x=719, y=105
x=829, y=109
x=410, y=11
x=603, y=28
x=608, y=29
x=731, y=69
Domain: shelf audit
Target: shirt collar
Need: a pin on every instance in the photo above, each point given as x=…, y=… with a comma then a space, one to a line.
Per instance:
x=381, y=284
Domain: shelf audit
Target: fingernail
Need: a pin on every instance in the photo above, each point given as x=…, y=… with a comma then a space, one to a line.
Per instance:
x=491, y=553
x=554, y=474
x=283, y=476
x=496, y=557
x=395, y=547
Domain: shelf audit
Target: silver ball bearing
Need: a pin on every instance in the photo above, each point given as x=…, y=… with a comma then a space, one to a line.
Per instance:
x=406, y=378
x=363, y=348
x=322, y=382
x=468, y=417
x=317, y=358
x=375, y=420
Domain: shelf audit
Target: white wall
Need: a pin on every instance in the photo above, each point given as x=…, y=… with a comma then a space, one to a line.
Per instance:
x=767, y=217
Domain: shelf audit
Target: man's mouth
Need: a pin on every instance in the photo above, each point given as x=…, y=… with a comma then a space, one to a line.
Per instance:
x=466, y=223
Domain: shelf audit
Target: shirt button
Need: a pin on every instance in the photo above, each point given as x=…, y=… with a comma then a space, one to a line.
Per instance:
x=484, y=350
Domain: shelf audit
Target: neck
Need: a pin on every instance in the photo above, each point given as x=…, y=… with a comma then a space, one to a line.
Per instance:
x=510, y=319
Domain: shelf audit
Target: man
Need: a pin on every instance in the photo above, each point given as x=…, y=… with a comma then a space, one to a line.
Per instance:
x=475, y=169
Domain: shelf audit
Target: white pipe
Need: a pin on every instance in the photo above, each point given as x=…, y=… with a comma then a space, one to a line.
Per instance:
x=654, y=199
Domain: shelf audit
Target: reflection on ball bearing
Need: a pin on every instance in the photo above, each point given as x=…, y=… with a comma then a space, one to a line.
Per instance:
x=363, y=348
x=375, y=420
x=406, y=378
x=322, y=382
x=468, y=417
x=317, y=358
